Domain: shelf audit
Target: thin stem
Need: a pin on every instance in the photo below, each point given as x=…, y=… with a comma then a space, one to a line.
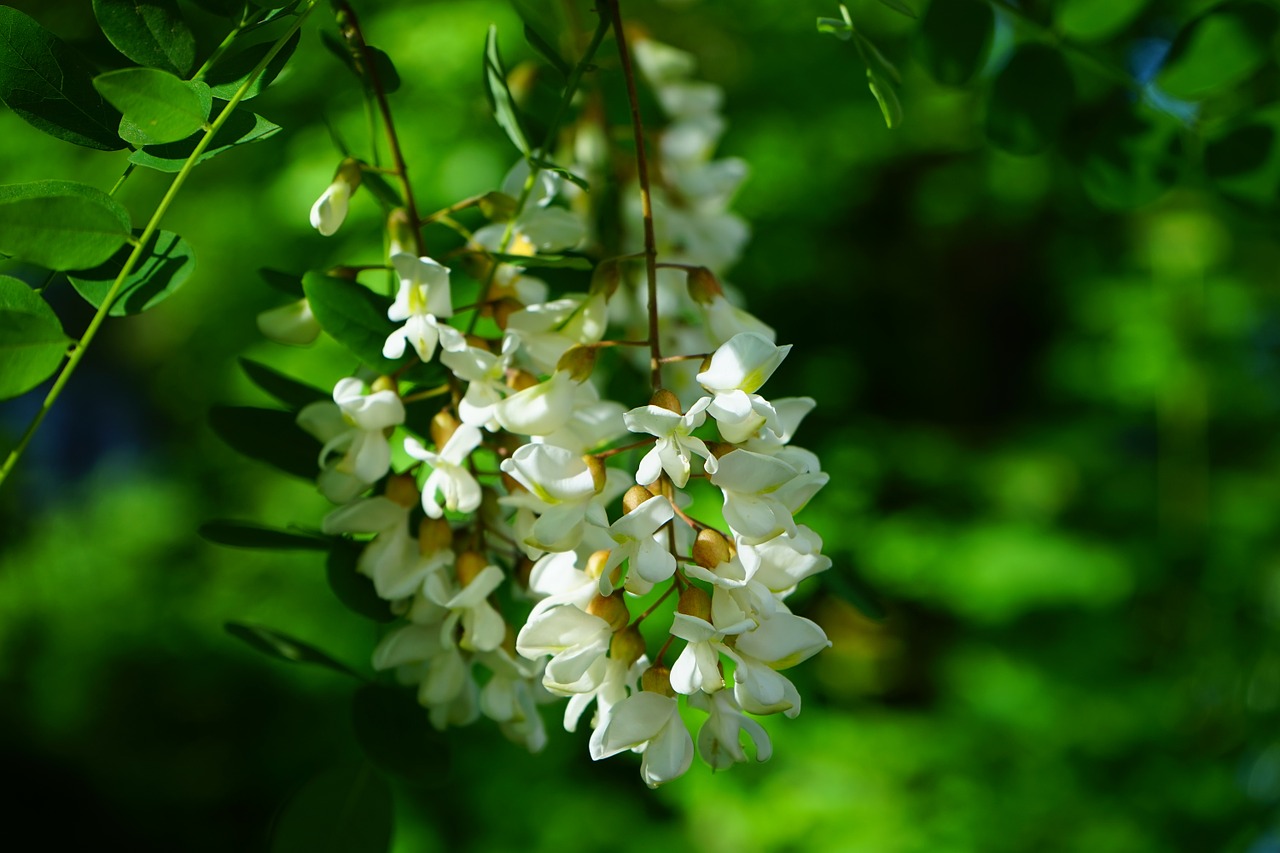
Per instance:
x=78, y=351
x=645, y=615
x=614, y=451
x=453, y=208
x=670, y=359
x=646, y=200
x=124, y=176
x=350, y=27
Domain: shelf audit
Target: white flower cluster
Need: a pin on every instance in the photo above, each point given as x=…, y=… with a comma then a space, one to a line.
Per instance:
x=523, y=563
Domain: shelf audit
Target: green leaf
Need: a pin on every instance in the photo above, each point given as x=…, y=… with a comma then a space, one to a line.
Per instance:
x=283, y=10
x=886, y=98
x=900, y=7
x=50, y=87
x=287, y=283
x=167, y=262
x=283, y=647
x=268, y=435
x=353, y=315
x=61, y=225
x=1242, y=158
x=388, y=77
x=954, y=39
x=242, y=128
x=571, y=177
x=566, y=262
x=835, y=27
x=393, y=730
x=388, y=195
x=32, y=344
x=287, y=390
x=247, y=534
x=150, y=32
x=879, y=59
x=1126, y=159
x=356, y=591
x=546, y=50
x=500, y=100
x=344, y=810
x=1030, y=100
x=1095, y=20
x=158, y=107
x=1219, y=50
x=226, y=78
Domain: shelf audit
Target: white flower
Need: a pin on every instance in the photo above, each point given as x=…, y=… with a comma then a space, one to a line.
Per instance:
x=675, y=443
x=453, y=482
x=562, y=491
x=482, y=626
x=508, y=699
x=391, y=559
x=649, y=723
x=781, y=563
x=613, y=688
x=546, y=330
x=577, y=642
x=539, y=409
x=330, y=209
x=633, y=540
x=592, y=423
x=720, y=738
x=290, y=324
x=698, y=666
x=761, y=493
x=353, y=426
x=484, y=373
x=737, y=370
x=778, y=643
x=418, y=656
x=421, y=302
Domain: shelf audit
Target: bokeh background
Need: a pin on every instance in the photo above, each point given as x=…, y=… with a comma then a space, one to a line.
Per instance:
x=1049, y=412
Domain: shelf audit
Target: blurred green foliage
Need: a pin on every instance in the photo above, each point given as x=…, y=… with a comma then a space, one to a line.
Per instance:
x=1048, y=389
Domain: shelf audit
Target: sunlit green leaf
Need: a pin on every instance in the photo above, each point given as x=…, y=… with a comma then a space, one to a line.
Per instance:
x=1219, y=50
x=49, y=86
x=248, y=534
x=286, y=389
x=344, y=810
x=500, y=100
x=242, y=128
x=835, y=27
x=32, y=344
x=353, y=315
x=954, y=38
x=283, y=647
x=356, y=591
x=1094, y=20
x=166, y=263
x=150, y=32
x=157, y=106
x=395, y=734
x=61, y=225
x=268, y=435
x=1030, y=100
x=886, y=98
x=229, y=74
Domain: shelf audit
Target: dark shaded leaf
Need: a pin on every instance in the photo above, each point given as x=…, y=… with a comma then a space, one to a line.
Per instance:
x=226, y=78
x=167, y=262
x=500, y=100
x=61, y=225
x=268, y=435
x=344, y=810
x=283, y=647
x=32, y=343
x=393, y=730
x=158, y=107
x=150, y=32
x=286, y=389
x=900, y=7
x=248, y=534
x=1242, y=159
x=381, y=189
x=242, y=128
x=1126, y=160
x=388, y=77
x=353, y=315
x=1219, y=50
x=546, y=50
x=50, y=87
x=1030, y=100
x=354, y=590
x=954, y=39
x=287, y=283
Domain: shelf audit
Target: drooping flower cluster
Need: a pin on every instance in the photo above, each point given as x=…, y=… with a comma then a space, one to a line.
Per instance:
x=534, y=541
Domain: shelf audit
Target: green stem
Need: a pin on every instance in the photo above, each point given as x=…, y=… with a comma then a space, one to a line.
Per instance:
x=553, y=129
x=78, y=351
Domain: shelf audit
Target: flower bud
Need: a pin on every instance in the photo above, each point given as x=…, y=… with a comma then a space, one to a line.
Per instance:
x=703, y=285
x=329, y=211
x=402, y=489
x=612, y=609
x=290, y=324
x=578, y=361
x=605, y=277
x=520, y=380
x=403, y=232
x=598, y=474
x=443, y=426
x=434, y=535
x=635, y=496
x=696, y=603
x=720, y=448
x=470, y=565
x=664, y=399
x=596, y=563
x=502, y=309
x=477, y=342
x=497, y=207
x=385, y=383
x=627, y=646
x=657, y=679
x=710, y=549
